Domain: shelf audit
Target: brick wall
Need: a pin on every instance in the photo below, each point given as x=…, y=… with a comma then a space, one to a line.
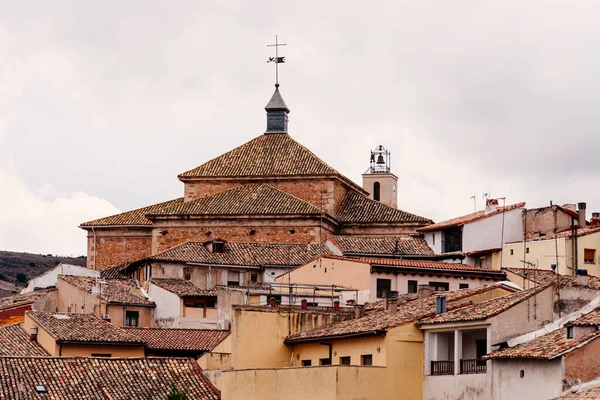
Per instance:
x=118, y=245
x=543, y=221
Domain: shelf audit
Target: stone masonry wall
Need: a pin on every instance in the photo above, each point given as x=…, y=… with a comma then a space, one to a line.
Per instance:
x=118, y=245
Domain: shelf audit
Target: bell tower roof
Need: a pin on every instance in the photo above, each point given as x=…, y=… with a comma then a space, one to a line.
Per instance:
x=277, y=114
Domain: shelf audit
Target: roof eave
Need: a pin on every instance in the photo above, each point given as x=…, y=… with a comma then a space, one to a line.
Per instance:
x=375, y=332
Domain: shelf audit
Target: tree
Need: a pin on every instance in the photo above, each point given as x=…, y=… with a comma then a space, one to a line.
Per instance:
x=176, y=394
x=21, y=277
x=2, y=277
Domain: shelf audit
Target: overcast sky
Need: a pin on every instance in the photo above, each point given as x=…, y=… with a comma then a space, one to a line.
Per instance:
x=103, y=103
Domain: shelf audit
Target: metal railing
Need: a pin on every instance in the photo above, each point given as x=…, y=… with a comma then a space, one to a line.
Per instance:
x=445, y=367
x=475, y=366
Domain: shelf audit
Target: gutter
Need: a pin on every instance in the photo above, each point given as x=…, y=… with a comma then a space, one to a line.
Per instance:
x=334, y=337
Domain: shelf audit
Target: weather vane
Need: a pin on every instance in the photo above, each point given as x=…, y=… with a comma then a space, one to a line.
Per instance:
x=277, y=60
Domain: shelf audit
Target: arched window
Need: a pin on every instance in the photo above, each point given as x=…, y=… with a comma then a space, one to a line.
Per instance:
x=376, y=191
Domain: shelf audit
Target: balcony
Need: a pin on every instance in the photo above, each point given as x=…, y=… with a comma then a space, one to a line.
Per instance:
x=473, y=366
x=457, y=351
x=445, y=367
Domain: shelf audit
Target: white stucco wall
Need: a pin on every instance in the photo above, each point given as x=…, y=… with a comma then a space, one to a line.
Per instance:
x=542, y=379
x=50, y=278
x=168, y=305
x=486, y=233
x=434, y=240
x=463, y=387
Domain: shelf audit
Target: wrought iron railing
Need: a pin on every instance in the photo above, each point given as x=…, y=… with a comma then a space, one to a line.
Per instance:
x=475, y=366
x=445, y=367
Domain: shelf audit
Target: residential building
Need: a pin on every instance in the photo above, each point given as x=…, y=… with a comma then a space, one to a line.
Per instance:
x=478, y=236
x=121, y=301
x=544, y=221
x=13, y=308
x=74, y=378
x=375, y=278
x=81, y=335
x=49, y=279
x=268, y=190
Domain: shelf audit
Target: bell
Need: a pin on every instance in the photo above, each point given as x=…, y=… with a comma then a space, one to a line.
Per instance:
x=380, y=159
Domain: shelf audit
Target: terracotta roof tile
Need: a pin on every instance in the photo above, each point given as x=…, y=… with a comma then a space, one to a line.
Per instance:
x=590, y=394
x=116, y=291
x=179, y=339
x=89, y=378
x=263, y=156
x=425, y=264
x=590, y=319
x=403, y=245
x=251, y=199
x=483, y=310
x=243, y=254
x=376, y=321
x=465, y=219
x=357, y=209
x=21, y=299
x=546, y=347
x=14, y=341
x=542, y=277
x=81, y=328
x=181, y=287
x=134, y=217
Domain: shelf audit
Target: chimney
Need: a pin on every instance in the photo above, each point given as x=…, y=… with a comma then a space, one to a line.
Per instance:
x=581, y=212
x=304, y=304
x=33, y=332
x=491, y=205
x=595, y=221
x=440, y=304
x=336, y=306
x=359, y=311
x=582, y=277
x=392, y=302
x=424, y=291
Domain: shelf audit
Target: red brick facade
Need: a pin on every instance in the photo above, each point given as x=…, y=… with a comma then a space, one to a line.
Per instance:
x=115, y=246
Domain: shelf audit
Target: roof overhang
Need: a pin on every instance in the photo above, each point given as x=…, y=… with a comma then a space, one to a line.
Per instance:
x=299, y=340
x=437, y=271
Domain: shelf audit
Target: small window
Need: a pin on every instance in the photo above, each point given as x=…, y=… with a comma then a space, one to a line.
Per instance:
x=383, y=287
x=311, y=304
x=589, y=256
x=233, y=278
x=522, y=374
x=434, y=238
x=439, y=286
x=218, y=247
x=366, y=359
x=412, y=286
x=463, y=285
x=324, y=361
x=253, y=278
x=376, y=191
x=345, y=360
x=187, y=273
x=148, y=271
x=131, y=318
x=276, y=297
x=512, y=252
x=569, y=332
x=527, y=250
x=101, y=355
x=306, y=363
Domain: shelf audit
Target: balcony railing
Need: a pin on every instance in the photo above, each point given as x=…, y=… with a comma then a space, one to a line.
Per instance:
x=442, y=367
x=475, y=366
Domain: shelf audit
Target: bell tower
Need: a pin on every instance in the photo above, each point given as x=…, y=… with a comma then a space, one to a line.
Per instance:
x=378, y=180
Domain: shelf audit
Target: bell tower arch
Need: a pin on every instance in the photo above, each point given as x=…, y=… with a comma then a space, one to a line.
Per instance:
x=378, y=179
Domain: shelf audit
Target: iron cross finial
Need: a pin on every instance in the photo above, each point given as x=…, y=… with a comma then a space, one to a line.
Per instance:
x=277, y=60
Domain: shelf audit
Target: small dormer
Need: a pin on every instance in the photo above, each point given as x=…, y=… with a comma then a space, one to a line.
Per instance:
x=215, y=246
x=575, y=331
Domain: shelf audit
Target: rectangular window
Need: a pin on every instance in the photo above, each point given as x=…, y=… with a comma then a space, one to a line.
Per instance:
x=434, y=238
x=589, y=256
x=148, y=271
x=569, y=332
x=366, y=359
x=463, y=285
x=512, y=252
x=324, y=361
x=253, y=278
x=345, y=360
x=218, y=247
x=439, y=286
x=233, y=278
x=131, y=318
x=412, y=286
x=383, y=287
x=453, y=240
x=306, y=363
x=527, y=250
x=200, y=302
x=311, y=304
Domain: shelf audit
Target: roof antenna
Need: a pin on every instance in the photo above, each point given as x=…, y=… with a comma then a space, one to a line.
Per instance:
x=474, y=203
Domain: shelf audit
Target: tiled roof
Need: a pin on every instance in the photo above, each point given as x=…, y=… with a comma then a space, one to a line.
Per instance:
x=254, y=199
x=583, y=231
x=116, y=291
x=403, y=245
x=425, y=264
x=14, y=341
x=466, y=219
x=76, y=378
x=81, y=328
x=483, y=310
x=357, y=209
x=542, y=277
x=376, y=321
x=546, y=347
x=181, y=287
x=115, y=272
x=590, y=319
x=243, y=254
x=263, y=156
x=590, y=394
x=133, y=217
x=179, y=339
x=21, y=299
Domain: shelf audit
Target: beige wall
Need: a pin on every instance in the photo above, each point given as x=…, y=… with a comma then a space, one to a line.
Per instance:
x=117, y=315
x=354, y=348
x=257, y=336
x=43, y=338
x=591, y=241
x=388, y=187
x=76, y=301
x=542, y=253
x=327, y=271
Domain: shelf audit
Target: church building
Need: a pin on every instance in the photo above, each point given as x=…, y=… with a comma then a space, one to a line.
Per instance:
x=268, y=190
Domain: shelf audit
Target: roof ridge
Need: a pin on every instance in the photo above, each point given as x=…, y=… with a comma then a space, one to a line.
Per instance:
x=94, y=222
